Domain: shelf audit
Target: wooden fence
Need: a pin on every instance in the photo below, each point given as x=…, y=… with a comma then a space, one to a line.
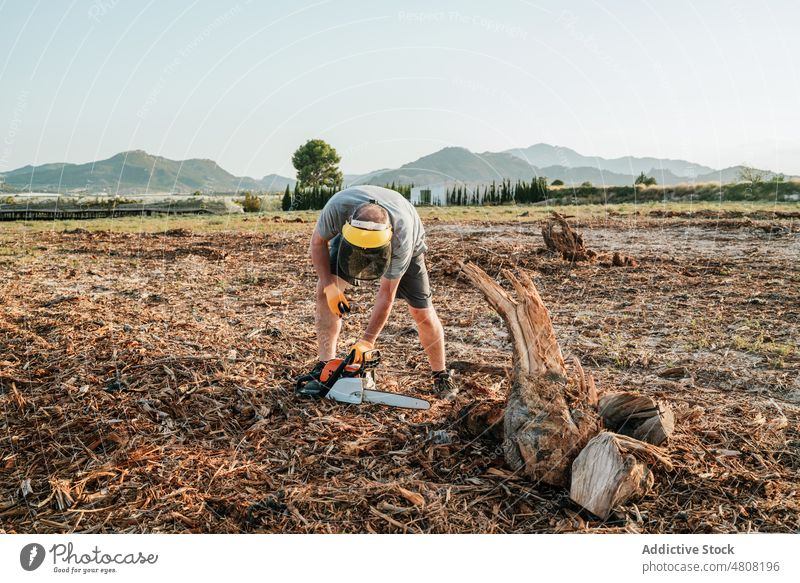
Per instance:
x=80, y=214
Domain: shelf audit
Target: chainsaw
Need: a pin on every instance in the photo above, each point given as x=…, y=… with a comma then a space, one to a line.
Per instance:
x=344, y=381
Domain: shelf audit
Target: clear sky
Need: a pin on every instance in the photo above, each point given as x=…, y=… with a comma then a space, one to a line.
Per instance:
x=244, y=83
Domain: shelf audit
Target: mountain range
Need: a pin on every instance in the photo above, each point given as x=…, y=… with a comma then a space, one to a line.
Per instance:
x=137, y=171
x=459, y=165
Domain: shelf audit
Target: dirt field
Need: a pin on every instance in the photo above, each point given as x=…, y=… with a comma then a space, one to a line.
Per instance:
x=146, y=378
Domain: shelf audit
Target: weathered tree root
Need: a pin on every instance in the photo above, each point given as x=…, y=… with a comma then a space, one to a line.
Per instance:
x=560, y=238
x=551, y=426
x=549, y=416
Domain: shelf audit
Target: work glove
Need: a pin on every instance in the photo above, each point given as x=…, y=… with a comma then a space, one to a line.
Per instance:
x=361, y=347
x=337, y=303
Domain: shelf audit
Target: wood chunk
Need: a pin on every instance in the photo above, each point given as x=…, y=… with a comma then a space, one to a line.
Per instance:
x=656, y=429
x=637, y=416
x=605, y=475
x=620, y=260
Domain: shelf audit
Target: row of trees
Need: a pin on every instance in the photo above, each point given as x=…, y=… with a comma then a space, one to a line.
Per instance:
x=311, y=198
x=506, y=192
x=315, y=197
x=521, y=192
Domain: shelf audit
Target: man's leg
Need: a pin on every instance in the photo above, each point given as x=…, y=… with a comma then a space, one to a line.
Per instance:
x=328, y=325
x=431, y=335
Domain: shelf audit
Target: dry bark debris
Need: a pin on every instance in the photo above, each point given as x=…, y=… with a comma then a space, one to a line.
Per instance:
x=194, y=439
x=560, y=237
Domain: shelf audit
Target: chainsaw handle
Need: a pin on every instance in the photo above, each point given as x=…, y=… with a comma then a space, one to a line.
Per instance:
x=346, y=361
x=371, y=358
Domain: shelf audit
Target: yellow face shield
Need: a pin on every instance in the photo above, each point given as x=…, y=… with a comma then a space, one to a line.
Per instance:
x=365, y=251
x=366, y=238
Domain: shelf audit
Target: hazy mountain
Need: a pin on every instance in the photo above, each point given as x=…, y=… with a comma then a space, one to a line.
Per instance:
x=455, y=164
x=275, y=183
x=543, y=155
x=362, y=178
x=731, y=175
x=581, y=174
x=451, y=165
x=136, y=171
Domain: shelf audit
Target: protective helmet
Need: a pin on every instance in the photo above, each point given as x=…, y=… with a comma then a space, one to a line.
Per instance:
x=365, y=250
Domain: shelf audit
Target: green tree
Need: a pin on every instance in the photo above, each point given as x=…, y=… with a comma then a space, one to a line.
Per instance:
x=317, y=164
x=557, y=182
x=540, y=188
x=286, y=202
x=645, y=180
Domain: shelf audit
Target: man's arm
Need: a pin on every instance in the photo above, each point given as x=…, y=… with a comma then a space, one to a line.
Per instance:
x=381, y=310
x=331, y=286
x=320, y=258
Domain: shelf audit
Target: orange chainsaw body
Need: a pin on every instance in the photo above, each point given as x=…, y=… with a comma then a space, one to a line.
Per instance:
x=332, y=365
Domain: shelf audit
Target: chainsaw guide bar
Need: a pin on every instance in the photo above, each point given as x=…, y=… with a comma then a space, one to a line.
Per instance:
x=344, y=382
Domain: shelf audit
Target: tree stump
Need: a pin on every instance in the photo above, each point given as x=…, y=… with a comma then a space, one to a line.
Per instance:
x=549, y=415
x=551, y=427
x=559, y=237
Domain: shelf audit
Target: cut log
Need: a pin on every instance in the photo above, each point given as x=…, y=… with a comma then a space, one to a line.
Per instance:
x=637, y=416
x=550, y=415
x=611, y=470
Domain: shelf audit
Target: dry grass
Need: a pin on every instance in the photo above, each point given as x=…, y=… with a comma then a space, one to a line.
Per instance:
x=146, y=378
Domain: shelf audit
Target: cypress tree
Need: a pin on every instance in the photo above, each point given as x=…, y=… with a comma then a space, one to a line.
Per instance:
x=286, y=202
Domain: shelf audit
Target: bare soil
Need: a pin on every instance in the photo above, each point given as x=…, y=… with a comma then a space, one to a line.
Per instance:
x=146, y=381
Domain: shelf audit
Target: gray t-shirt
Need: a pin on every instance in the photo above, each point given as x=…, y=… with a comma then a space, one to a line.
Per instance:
x=408, y=234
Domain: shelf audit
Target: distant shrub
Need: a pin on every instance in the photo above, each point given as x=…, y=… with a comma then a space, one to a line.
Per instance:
x=109, y=203
x=750, y=175
x=557, y=182
x=645, y=180
x=250, y=203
